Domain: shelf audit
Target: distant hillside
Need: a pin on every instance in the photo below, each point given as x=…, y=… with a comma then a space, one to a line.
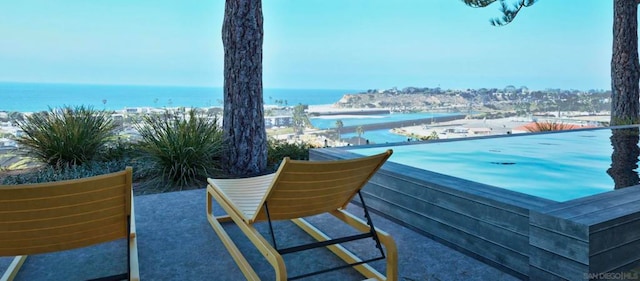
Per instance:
x=519, y=100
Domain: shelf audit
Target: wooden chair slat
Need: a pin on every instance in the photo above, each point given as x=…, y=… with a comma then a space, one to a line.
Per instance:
x=45, y=203
x=321, y=170
x=311, y=195
x=319, y=167
x=56, y=230
x=329, y=184
x=61, y=211
x=64, y=241
x=57, y=216
x=60, y=188
x=63, y=221
x=69, y=245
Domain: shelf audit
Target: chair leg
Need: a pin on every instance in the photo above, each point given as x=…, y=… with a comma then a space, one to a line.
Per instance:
x=272, y=256
x=386, y=240
x=340, y=251
x=134, y=269
x=12, y=271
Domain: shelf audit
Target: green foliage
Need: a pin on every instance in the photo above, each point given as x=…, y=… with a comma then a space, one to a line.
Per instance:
x=181, y=149
x=52, y=173
x=509, y=12
x=119, y=150
x=339, y=126
x=300, y=119
x=432, y=136
x=360, y=132
x=277, y=150
x=66, y=136
x=617, y=121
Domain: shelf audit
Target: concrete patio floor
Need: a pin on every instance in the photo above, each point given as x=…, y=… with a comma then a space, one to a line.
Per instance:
x=176, y=242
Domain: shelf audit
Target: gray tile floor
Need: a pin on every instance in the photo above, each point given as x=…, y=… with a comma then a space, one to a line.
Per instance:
x=176, y=242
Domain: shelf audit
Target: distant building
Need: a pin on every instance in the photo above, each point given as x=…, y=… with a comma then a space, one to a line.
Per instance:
x=457, y=130
x=278, y=121
x=137, y=110
x=480, y=131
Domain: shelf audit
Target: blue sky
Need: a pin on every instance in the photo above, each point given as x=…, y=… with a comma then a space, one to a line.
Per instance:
x=313, y=44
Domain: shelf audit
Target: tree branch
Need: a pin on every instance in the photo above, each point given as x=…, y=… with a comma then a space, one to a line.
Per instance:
x=509, y=13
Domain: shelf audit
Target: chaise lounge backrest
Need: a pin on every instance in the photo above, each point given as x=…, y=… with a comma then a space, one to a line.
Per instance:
x=56, y=216
x=305, y=188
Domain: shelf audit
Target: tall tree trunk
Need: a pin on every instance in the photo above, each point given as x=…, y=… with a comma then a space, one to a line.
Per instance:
x=625, y=67
x=243, y=119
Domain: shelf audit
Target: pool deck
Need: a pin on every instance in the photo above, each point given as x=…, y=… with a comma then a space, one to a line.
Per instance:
x=176, y=242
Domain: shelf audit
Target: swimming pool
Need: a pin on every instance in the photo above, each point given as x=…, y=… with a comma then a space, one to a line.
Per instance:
x=539, y=206
x=535, y=164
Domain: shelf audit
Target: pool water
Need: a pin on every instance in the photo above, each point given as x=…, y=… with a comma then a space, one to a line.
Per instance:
x=557, y=166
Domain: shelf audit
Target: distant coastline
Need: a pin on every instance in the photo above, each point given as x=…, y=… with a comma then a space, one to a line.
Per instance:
x=33, y=97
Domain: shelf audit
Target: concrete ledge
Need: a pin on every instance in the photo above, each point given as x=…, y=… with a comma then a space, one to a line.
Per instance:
x=595, y=234
x=527, y=236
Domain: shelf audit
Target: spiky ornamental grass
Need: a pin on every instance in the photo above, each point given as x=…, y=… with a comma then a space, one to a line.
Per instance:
x=180, y=149
x=547, y=127
x=67, y=136
x=51, y=173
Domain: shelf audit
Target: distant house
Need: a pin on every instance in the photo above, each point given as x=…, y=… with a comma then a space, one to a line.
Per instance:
x=278, y=121
x=457, y=130
x=356, y=141
x=137, y=110
x=480, y=131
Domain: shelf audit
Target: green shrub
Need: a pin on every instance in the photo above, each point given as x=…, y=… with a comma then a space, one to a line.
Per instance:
x=179, y=150
x=277, y=150
x=119, y=150
x=51, y=173
x=66, y=136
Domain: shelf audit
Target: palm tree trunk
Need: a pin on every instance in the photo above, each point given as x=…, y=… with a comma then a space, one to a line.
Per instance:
x=243, y=118
x=625, y=67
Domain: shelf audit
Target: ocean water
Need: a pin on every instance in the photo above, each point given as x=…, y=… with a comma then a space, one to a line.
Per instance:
x=32, y=97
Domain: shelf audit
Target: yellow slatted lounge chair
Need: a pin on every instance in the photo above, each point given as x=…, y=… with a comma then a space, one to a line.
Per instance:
x=63, y=215
x=300, y=189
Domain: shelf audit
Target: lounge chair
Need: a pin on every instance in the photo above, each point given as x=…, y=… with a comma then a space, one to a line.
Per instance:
x=300, y=189
x=63, y=215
